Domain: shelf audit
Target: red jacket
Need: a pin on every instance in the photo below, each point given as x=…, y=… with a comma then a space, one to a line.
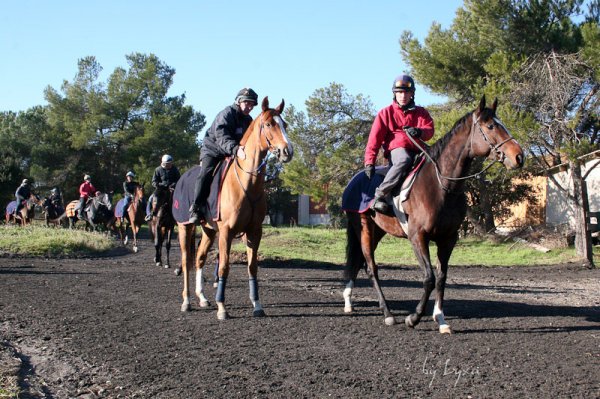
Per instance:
x=87, y=190
x=387, y=132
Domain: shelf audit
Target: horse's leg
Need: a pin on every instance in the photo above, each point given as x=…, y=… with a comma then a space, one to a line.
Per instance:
x=369, y=238
x=252, y=243
x=443, y=254
x=208, y=238
x=354, y=259
x=225, y=239
x=186, y=233
x=158, y=240
x=421, y=249
x=168, y=246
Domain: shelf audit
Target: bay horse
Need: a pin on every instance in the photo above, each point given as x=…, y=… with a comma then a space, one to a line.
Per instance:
x=243, y=207
x=134, y=218
x=162, y=225
x=53, y=214
x=26, y=213
x=436, y=208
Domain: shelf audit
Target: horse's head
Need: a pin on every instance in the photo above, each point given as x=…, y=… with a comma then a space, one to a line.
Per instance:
x=272, y=127
x=491, y=138
x=104, y=199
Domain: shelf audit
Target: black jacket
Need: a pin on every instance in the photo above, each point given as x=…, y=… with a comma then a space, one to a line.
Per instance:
x=225, y=133
x=129, y=188
x=165, y=177
x=23, y=191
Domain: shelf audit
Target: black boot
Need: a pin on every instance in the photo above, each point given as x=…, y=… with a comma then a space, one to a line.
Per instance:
x=379, y=205
x=195, y=214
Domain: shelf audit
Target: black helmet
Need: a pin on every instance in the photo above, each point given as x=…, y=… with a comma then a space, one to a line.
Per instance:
x=246, y=94
x=403, y=83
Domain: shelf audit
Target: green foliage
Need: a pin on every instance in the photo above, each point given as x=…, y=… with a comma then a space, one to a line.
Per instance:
x=328, y=143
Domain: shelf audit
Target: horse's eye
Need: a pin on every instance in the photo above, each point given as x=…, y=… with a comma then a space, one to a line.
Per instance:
x=491, y=126
x=268, y=124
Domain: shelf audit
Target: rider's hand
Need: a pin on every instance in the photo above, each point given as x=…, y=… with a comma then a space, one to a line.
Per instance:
x=413, y=131
x=240, y=152
x=369, y=171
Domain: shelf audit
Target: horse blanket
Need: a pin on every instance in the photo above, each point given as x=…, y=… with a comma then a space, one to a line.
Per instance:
x=11, y=207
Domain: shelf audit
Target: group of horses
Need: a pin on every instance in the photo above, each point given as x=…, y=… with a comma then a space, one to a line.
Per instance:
x=433, y=211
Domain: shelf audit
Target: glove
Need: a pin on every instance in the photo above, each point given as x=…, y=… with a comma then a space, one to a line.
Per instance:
x=369, y=171
x=240, y=153
x=414, y=132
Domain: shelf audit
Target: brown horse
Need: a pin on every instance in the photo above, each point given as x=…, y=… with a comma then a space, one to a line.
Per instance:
x=26, y=213
x=134, y=218
x=162, y=225
x=243, y=208
x=436, y=208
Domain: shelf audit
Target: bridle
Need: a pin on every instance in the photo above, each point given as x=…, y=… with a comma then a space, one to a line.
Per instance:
x=494, y=147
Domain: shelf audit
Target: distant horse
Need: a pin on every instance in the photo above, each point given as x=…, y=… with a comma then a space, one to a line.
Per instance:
x=26, y=213
x=134, y=217
x=54, y=215
x=436, y=208
x=97, y=212
x=162, y=225
x=242, y=210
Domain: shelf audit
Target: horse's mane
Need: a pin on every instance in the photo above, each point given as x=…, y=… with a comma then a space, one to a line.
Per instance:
x=250, y=128
x=436, y=149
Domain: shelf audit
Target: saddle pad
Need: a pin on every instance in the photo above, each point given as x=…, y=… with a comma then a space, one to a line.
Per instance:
x=360, y=191
x=10, y=208
x=71, y=208
x=119, y=208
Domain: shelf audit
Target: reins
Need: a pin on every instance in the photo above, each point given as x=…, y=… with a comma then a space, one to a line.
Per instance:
x=493, y=147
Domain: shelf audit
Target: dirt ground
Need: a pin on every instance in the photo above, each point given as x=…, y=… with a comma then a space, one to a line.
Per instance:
x=111, y=327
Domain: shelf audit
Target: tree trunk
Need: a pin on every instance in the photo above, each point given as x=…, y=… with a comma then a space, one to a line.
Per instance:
x=583, y=239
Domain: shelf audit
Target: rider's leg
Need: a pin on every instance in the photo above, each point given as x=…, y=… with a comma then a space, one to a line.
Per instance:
x=81, y=206
x=202, y=188
x=20, y=200
x=401, y=161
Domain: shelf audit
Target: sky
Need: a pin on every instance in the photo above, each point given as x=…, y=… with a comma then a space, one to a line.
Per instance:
x=281, y=49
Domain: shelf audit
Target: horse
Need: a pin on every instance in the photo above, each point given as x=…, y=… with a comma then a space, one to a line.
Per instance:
x=97, y=212
x=162, y=225
x=242, y=210
x=26, y=213
x=54, y=215
x=435, y=209
x=134, y=217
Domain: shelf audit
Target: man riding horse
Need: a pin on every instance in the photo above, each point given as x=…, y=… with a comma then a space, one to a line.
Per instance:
x=222, y=140
x=22, y=194
x=129, y=186
x=165, y=178
x=390, y=129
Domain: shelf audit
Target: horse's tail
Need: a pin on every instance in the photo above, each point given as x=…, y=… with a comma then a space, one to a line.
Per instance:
x=355, y=259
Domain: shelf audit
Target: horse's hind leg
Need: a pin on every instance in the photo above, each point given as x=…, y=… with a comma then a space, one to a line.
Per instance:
x=186, y=239
x=168, y=247
x=158, y=240
x=354, y=259
x=201, y=255
x=252, y=244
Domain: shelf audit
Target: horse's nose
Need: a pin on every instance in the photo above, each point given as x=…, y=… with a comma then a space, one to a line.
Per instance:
x=288, y=152
x=520, y=160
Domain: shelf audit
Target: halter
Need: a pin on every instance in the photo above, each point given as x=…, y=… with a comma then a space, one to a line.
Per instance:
x=500, y=155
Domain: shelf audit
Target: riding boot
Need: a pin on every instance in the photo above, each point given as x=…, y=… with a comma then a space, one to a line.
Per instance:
x=196, y=214
x=380, y=205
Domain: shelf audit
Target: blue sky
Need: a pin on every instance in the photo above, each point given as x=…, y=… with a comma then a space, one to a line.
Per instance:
x=281, y=49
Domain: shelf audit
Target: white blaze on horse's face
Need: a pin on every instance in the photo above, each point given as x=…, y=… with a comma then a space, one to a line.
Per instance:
x=288, y=153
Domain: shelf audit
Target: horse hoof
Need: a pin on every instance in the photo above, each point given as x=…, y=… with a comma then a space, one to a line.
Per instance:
x=186, y=307
x=259, y=313
x=135, y=250
x=167, y=266
x=177, y=271
x=215, y=284
x=445, y=329
x=158, y=264
x=125, y=241
x=409, y=323
x=222, y=315
x=390, y=321
x=204, y=304
x=348, y=309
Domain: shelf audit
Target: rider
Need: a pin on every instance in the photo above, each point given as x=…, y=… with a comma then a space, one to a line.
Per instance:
x=86, y=190
x=391, y=128
x=165, y=177
x=129, y=187
x=23, y=193
x=222, y=140
x=56, y=199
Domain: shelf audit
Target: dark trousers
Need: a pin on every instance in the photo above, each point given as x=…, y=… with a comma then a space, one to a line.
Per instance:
x=81, y=205
x=401, y=161
x=20, y=200
x=204, y=179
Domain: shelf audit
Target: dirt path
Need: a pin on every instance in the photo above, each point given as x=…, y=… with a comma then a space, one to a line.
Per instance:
x=111, y=327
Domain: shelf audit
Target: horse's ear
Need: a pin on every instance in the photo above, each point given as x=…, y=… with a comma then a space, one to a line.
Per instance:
x=265, y=104
x=279, y=108
x=481, y=104
x=495, y=105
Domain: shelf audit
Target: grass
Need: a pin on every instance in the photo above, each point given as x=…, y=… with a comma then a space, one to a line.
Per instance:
x=329, y=245
x=36, y=240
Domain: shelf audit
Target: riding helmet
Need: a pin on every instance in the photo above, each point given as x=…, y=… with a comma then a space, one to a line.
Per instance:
x=87, y=177
x=167, y=158
x=130, y=173
x=403, y=83
x=246, y=94
x=25, y=181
